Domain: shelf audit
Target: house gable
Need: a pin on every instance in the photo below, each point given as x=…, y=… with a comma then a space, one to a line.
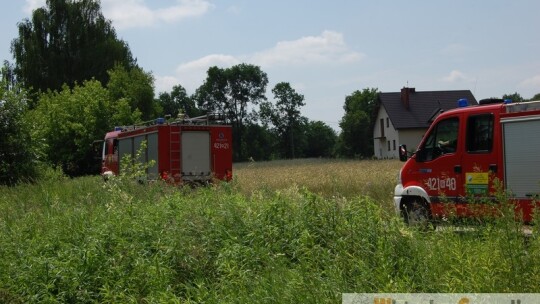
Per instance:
x=403, y=117
x=385, y=136
x=410, y=109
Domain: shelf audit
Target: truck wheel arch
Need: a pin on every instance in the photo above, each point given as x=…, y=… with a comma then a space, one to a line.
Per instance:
x=414, y=199
x=415, y=211
x=415, y=191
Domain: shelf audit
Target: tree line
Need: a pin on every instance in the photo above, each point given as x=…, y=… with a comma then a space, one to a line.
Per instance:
x=73, y=80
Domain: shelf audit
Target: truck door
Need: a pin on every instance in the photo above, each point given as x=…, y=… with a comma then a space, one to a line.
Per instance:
x=196, y=165
x=521, y=160
x=438, y=162
x=110, y=155
x=480, y=156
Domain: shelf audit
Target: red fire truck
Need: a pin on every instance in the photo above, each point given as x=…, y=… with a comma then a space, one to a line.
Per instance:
x=194, y=150
x=465, y=154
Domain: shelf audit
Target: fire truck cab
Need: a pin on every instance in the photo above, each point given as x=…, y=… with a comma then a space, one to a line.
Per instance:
x=195, y=150
x=465, y=154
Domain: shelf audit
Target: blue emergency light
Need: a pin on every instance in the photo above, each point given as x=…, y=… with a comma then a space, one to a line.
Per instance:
x=463, y=102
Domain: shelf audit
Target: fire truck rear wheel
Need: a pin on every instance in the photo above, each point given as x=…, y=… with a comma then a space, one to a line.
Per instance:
x=415, y=212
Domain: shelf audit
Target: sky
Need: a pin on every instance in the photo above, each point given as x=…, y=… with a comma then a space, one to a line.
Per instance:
x=329, y=49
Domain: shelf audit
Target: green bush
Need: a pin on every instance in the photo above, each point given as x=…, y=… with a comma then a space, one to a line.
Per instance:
x=86, y=241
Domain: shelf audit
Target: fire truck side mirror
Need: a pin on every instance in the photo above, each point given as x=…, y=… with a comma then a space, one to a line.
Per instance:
x=402, y=153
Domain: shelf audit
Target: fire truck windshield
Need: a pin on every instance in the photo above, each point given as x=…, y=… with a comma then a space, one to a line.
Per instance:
x=443, y=139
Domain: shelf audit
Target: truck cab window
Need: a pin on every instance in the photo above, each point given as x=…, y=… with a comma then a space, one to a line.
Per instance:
x=480, y=133
x=442, y=140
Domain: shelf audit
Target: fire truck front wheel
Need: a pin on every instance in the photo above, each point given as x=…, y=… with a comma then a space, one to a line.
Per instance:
x=415, y=211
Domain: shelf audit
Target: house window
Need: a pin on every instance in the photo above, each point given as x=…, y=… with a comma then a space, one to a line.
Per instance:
x=382, y=127
x=387, y=122
x=394, y=144
x=388, y=145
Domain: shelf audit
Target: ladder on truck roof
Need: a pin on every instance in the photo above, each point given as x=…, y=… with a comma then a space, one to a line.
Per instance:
x=180, y=120
x=207, y=119
x=174, y=150
x=523, y=106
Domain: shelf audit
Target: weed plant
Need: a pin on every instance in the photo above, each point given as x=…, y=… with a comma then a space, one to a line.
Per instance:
x=86, y=241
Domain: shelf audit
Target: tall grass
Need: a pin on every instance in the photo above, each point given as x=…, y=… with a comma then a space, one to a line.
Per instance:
x=83, y=241
x=325, y=177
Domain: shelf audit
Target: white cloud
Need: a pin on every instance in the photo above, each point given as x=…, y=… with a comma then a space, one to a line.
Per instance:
x=192, y=74
x=136, y=13
x=206, y=62
x=185, y=9
x=329, y=47
x=165, y=83
x=456, y=76
x=531, y=82
x=32, y=5
x=128, y=13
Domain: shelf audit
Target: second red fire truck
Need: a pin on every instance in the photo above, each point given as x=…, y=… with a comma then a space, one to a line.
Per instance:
x=465, y=154
x=195, y=150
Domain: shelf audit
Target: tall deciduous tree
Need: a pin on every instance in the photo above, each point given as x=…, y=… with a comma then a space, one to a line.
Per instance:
x=259, y=143
x=515, y=97
x=17, y=157
x=7, y=76
x=232, y=91
x=68, y=121
x=357, y=124
x=285, y=116
x=136, y=86
x=320, y=140
x=66, y=42
x=178, y=101
x=212, y=95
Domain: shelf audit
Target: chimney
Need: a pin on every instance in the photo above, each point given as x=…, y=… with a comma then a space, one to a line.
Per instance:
x=405, y=96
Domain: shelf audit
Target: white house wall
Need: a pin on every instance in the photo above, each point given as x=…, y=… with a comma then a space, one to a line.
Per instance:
x=411, y=138
x=387, y=146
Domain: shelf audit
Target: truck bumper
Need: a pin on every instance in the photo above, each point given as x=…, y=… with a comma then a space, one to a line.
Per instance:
x=398, y=191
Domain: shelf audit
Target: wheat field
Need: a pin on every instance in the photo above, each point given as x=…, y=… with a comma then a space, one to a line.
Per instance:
x=329, y=178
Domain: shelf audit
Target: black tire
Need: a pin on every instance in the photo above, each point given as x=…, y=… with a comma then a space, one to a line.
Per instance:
x=416, y=213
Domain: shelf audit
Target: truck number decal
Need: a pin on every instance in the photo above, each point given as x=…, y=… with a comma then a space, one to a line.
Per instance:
x=436, y=183
x=221, y=145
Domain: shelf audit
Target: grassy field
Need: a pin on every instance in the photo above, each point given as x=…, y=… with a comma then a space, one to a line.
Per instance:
x=328, y=178
x=302, y=231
